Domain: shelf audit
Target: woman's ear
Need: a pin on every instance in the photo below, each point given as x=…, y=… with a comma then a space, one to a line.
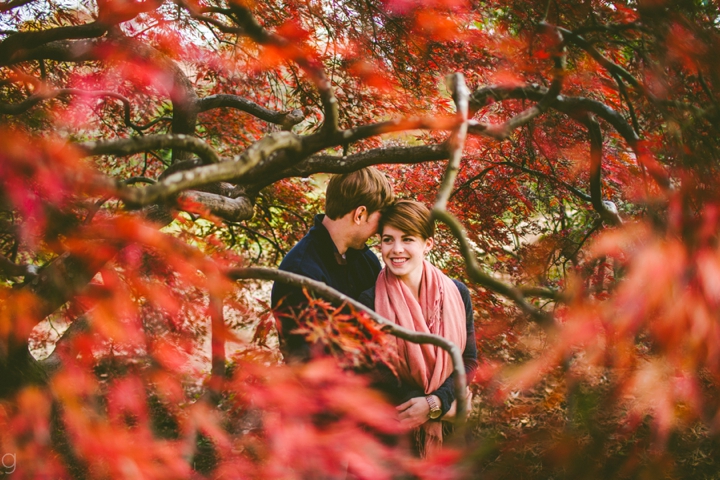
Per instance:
x=429, y=242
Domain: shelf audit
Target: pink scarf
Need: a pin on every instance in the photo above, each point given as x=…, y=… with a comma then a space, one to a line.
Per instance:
x=440, y=310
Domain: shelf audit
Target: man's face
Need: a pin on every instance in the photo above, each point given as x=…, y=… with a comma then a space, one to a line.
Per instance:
x=367, y=227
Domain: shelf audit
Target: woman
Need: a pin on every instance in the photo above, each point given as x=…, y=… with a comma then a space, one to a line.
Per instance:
x=414, y=294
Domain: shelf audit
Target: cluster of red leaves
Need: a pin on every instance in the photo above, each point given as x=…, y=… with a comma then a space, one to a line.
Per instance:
x=352, y=338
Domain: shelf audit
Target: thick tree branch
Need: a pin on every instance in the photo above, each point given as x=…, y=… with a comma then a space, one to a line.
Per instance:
x=286, y=119
x=109, y=14
x=329, y=293
x=230, y=209
x=226, y=171
x=135, y=145
x=349, y=163
x=14, y=47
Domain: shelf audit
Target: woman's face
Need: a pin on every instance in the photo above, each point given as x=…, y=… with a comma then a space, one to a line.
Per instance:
x=403, y=254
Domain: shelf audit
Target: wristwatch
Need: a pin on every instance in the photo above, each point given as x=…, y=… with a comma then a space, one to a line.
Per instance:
x=435, y=411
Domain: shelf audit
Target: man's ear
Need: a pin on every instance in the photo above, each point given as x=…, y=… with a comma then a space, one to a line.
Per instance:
x=358, y=213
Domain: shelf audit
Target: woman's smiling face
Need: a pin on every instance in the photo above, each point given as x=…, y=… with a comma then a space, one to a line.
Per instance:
x=402, y=253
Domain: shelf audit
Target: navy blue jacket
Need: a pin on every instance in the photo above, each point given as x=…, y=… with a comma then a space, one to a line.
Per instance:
x=398, y=392
x=315, y=256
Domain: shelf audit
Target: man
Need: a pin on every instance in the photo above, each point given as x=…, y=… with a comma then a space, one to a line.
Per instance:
x=334, y=250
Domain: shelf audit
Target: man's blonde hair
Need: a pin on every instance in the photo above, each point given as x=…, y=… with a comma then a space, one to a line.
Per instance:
x=366, y=187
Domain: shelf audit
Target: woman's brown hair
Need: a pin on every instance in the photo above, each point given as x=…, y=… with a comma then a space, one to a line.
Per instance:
x=410, y=217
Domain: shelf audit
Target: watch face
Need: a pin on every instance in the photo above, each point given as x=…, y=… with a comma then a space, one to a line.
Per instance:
x=435, y=414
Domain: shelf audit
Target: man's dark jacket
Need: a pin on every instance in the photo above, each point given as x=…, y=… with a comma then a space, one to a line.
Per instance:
x=315, y=256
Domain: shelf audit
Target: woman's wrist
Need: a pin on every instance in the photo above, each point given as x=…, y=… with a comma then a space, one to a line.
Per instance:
x=435, y=406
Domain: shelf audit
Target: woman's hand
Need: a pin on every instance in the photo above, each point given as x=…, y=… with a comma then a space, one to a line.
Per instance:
x=414, y=412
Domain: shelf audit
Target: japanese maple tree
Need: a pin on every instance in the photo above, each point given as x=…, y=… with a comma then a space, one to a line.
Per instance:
x=159, y=157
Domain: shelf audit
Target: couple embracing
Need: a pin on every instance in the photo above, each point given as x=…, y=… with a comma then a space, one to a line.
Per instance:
x=409, y=291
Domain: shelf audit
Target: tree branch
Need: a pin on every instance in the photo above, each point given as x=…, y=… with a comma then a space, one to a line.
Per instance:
x=607, y=210
x=231, y=209
x=14, y=47
x=135, y=145
x=331, y=294
x=227, y=171
x=607, y=64
x=9, y=5
x=286, y=119
x=439, y=211
x=17, y=108
x=574, y=107
x=11, y=269
x=478, y=276
x=313, y=68
x=349, y=163
x=456, y=144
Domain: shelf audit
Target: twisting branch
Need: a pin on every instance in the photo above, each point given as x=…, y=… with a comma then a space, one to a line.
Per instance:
x=456, y=144
x=607, y=209
x=574, y=106
x=333, y=295
x=314, y=144
x=609, y=65
x=111, y=14
x=17, y=108
x=313, y=68
x=478, y=276
x=135, y=145
x=17, y=44
x=548, y=98
x=286, y=119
